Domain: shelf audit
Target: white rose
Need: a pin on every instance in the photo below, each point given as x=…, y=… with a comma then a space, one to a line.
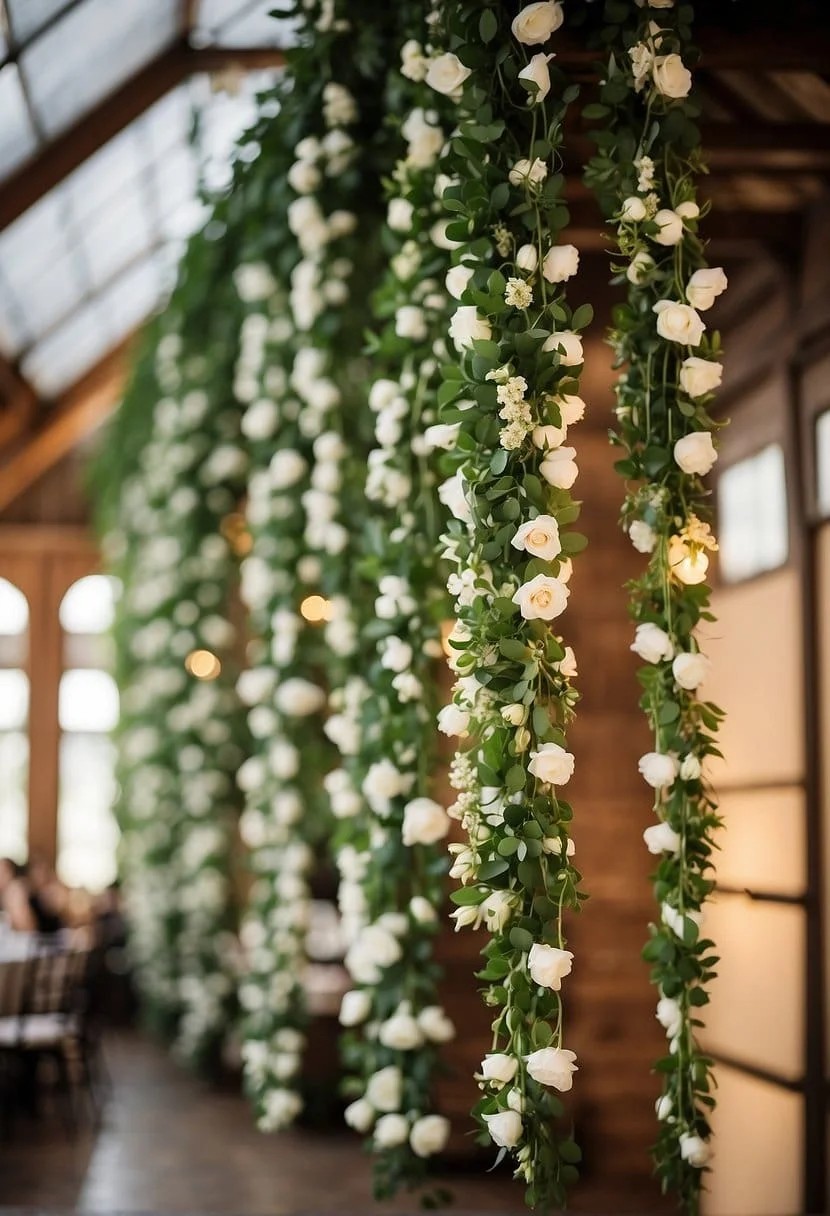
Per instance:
x=359, y=1115
x=341, y=223
x=466, y=327
x=694, y=1150
x=260, y=420
x=505, y=1128
x=424, y=822
x=429, y=1135
x=410, y=322
x=537, y=73
x=553, y=1066
x=671, y=77
x=499, y=1069
x=438, y=236
x=569, y=346
x=424, y=140
x=355, y=1008
x=401, y=1032
x=397, y=654
x=497, y=909
x=422, y=911
x=700, y=376
x=704, y=287
x=457, y=280
x=643, y=536
x=413, y=61
x=690, y=768
x=539, y=536
x=435, y=1024
x=663, y=1107
x=559, y=468
x=670, y=1016
x=652, y=643
x=661, y=838
x=548, y=965
x=536, y=22
x=303, y=177
x=676, y=921
x=690, y=670
x=299, y=697
x=286, y=469
x=527, y=258
x=639, y=268
x=446, y=74
x=385, y=1088
x=382, y=394
x=658, y=770
x=442, y=435
x=671, y=227
x=695, y=453
x=526, y=172
x=678, y=323
x=633, y=209
x=552, y=764
x=391, y=1130
x=399, y=215
x=374, y=949
x=561, y=262
x=453, y=720
x=451, y=493
x=543, y=598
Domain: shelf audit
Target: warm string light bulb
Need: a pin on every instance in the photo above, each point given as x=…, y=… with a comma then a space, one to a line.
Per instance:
x=203, y=664
x=234, y=528
x=315, y=609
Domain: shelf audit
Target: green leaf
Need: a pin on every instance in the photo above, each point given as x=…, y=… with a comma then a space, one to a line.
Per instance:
x=573, y=542
x=512, y=648
x=488, y=25
x=515, y=778
x=583, y=316
x=521, y=939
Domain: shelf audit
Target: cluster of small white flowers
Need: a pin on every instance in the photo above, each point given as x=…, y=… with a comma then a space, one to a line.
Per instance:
x=515, y=411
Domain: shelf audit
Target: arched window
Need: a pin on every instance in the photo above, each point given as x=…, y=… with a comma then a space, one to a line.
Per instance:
x=14, y=715
x=88, y=711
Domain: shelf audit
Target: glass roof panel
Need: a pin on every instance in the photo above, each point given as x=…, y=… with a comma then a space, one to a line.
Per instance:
x=17, y=139
x=90, y=52
x=116, y=236
x=50, y=296
x=255, y=27
x=213, y=14
x=34, y=241
x=167, y=123
x=101, y=178
x=29, y=16
x=63, y=357
x=134, y=295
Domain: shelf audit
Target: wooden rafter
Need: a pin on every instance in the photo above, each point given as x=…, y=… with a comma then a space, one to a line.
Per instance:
x=187, y=19
x=77, y=413
x=36, y=178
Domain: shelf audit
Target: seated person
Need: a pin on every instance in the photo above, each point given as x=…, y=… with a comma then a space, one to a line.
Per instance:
x=15, y=898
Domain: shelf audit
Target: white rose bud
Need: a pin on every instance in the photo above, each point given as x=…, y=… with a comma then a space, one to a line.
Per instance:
x=401, y=1032
x=661, y=838
x=694, y=1150
x=700, y=376
x=669, y=1016
x=435, y=1024
x=695, y=453
x=652, y=643
x=671, y=77
x=429, y=1135
x=410, y=323
x=399, y=215
x=543, y=598
x=526, y=172
x=421, y=910
x=548, y=965
x=466, y=327
x=515, y=714
x=391, y=1130
x=663, y=1107
x=658, y=770
x=505, y=1128
x=385, y=1088
x=536, y=22
x=688, y=210
x=359, y=1115
x=559, y=468
x=442, y=435
x=303, y=177
x=640, y=267
x=446, y=74
x=679, y=323
x=643, y=536
x=633, y=209
x=453, y=720
x=553, y=1066
x=670, y=224
x=355, y=1008
x=527, y=258
x=549, y=437
x=690, y=670
x=499, y=1069
x=690, y=768
x=704, y=287
x=537, y=73
x=457, y=280
x=424, y=822
x=552, y=764
x=540, y=537
x=561, y=262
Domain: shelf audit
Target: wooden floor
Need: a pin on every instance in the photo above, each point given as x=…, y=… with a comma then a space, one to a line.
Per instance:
x=169, y=1144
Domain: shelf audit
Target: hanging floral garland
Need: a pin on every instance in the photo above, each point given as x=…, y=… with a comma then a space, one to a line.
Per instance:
x=181, y=735
x=512, y=393
x=393, y=862
x=302, y=379
x=645, y=175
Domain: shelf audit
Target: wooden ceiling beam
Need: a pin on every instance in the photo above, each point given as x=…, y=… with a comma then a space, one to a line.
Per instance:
x=37, y=177
x=76, y=414
x=804, y=49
